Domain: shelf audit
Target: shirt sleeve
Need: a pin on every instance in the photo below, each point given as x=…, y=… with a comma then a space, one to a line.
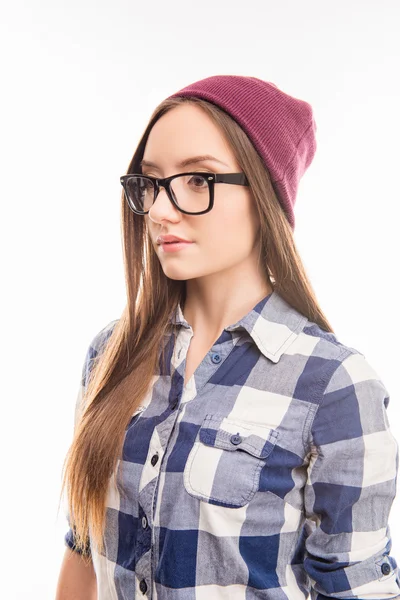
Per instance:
x=351, y=485
x=69, y=537
x=95, y=348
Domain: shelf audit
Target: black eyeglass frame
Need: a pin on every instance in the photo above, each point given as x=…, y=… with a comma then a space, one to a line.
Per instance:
x=211, y=178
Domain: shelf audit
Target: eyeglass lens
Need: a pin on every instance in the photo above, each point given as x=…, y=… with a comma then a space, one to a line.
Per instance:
x=190, y=192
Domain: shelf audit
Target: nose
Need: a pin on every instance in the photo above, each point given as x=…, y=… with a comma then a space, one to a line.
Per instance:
x=162, y=207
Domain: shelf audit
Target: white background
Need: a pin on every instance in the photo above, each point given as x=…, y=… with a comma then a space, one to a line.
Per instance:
x=79, y=81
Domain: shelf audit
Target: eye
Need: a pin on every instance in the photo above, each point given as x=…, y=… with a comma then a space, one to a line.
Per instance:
x=198, y=181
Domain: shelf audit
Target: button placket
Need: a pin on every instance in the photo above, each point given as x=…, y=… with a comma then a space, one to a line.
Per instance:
x=175, y=403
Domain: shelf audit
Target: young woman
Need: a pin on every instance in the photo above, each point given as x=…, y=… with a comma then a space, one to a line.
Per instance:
x=227, y=445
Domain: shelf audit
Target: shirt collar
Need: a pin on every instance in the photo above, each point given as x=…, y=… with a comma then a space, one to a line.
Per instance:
x=272, y=323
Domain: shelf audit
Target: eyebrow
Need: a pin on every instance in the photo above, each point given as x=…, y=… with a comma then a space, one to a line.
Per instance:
x=186, y=161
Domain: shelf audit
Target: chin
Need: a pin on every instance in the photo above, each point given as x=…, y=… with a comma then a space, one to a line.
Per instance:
x=179, y=274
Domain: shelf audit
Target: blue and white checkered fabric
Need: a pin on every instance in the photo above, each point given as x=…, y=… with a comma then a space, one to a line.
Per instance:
x=271, y=474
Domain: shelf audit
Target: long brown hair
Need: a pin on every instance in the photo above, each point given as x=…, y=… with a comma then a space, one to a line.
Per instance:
x=124, y=369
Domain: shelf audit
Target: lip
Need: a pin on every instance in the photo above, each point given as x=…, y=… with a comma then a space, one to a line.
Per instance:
x=171, y=238
x=174, y=246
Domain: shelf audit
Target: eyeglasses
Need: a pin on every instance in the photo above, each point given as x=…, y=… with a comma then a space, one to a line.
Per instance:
x=191, y=193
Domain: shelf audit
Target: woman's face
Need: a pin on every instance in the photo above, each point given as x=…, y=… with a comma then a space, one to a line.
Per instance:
x=221, y=238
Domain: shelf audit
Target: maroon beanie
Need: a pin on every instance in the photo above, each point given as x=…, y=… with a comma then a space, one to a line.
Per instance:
x=282, y=128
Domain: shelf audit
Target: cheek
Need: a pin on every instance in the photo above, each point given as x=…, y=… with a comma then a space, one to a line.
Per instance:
x=236, y=223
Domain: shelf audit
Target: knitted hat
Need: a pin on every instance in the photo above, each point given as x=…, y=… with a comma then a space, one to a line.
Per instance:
x=281, y=127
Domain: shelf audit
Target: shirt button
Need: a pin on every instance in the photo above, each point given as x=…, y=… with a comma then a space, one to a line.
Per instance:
x=385, y=568
x=215, y=357
x=154, y=459
x=143, y=586
x=144, y=522
x=236, y=439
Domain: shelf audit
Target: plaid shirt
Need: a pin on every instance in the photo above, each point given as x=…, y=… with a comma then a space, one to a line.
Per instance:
x=271, y=474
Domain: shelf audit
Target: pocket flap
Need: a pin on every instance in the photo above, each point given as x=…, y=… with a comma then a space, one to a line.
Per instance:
x=237, y=435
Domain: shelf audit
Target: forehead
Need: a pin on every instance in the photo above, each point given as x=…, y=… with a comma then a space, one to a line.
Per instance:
x=183, y=132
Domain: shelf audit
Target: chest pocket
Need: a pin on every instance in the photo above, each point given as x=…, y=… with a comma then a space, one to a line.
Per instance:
x=224, y=464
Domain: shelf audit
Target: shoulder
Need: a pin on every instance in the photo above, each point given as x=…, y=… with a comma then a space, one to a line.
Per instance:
x=329, y=348
x=327, y=343
x=100, y=339
x=340, y=365
x=352, y=399
x=95, y=348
